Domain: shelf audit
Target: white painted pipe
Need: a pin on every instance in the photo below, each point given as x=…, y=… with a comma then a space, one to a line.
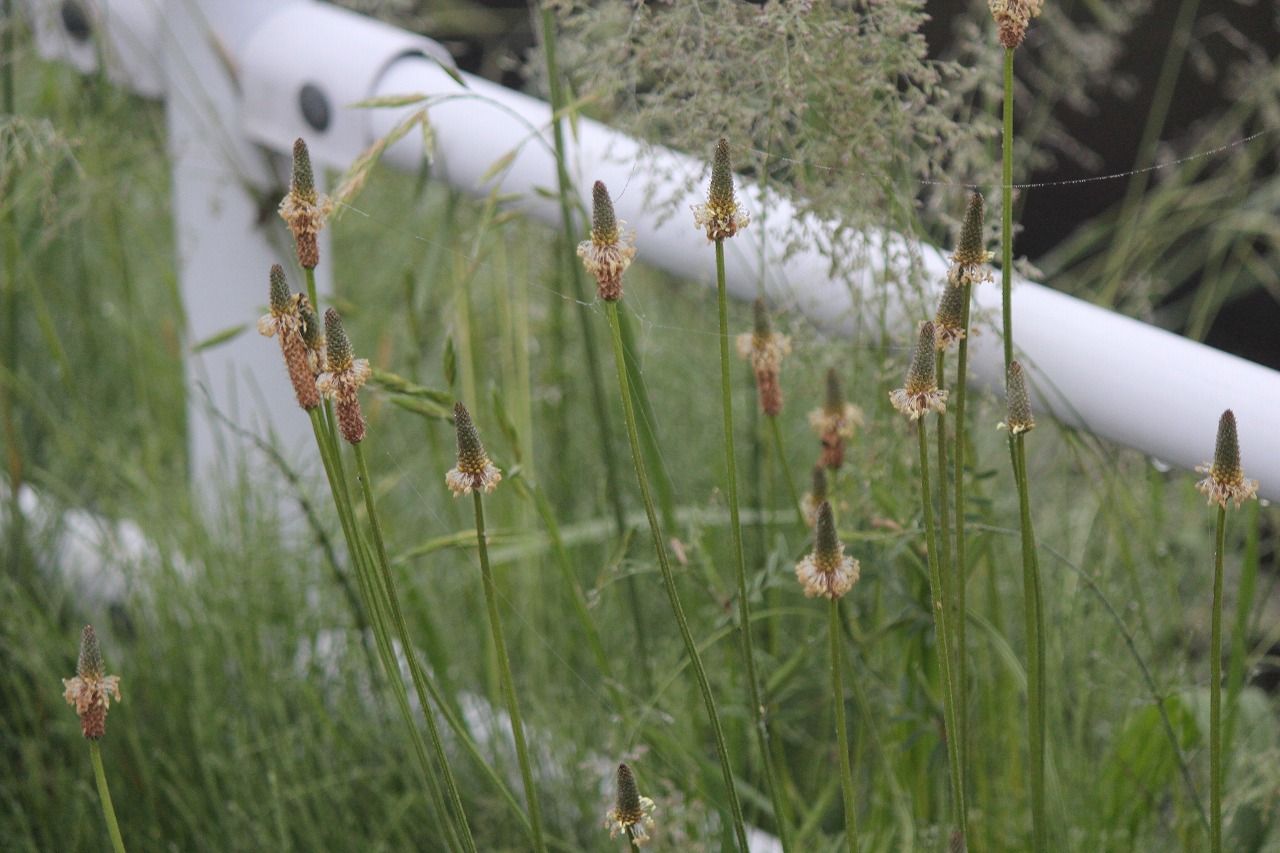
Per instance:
x=1116, y=377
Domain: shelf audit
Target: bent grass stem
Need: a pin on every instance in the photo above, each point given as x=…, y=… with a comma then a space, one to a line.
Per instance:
x=668, y=579
x=104, y=794
x=740, y=563
x=508, y=683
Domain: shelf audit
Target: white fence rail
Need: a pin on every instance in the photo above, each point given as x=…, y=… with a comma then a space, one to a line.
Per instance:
x=239, y=74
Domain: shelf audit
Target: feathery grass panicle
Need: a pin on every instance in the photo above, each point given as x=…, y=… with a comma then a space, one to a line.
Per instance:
x=765, y=349
x=816, y=496
x=721, y=216
x=287, y=320
x=1226, y=481
x=826, y=571
x=91, y=690
x=474, y=471
x=632, y=814
x=304, y=209
x=1019, y=419
x=835, y=421
x=610, y=250
x=921, y=393
x=343, y=377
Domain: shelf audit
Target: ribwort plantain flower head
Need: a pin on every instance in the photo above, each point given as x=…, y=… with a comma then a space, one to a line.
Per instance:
x=91, y=691
x=921, y=393
x=609, y=251
x=287, y=321
x=1012, y=18
x=1019, y=419
x=834, y=422
x=948, y=323
x=474, y=471
x=312, y=335
x=632, y=814
x=721, y=216
x=826, y=571
x=1226, y=481
x=765, y=349
x=343, y=376
x=304, y=209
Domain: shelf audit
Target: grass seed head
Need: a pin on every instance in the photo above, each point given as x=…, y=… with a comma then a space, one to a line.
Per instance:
x=90, y=692
x=343, y=378
x=1019, y=419
x=632, y=814
x=474, y=471
x=1226, y=480
x=304, y=209
x=921, y=393
x=610, y=251
x=826, y=572
x=721, y=216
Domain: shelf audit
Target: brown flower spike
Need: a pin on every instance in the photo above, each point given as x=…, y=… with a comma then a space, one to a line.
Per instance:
x=303, y=209
x=949, y=321
x=609, y=251
x=1019, y=419
x=286, y=319
x=90, y=691
x=1013, y=17
x=765, y=349
x=342, y=380
x=721, y=216
x=834, y=422
x=827, y=572
x=474, y=472
x=632, y=814
x=921, y=393
x=1226, y=481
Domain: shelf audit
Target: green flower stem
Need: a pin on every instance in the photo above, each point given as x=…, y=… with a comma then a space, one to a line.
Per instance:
x=329, y=422
x=949, y=580
x=941, y=620
x=9, y=306
x=1244, y=606
x=664, y=564
x=842, y=732
x=1033, y=609
x=373, y=602
x=415, y=670
x=508, y=683
x=613, y=482
x=1006, y=212
x=1215, y=690
x=961, y=565
x=781, y=453
x=740, y=563
x=104, y=794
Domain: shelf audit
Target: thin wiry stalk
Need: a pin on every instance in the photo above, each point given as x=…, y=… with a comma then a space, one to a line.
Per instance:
x=402, y=629
x=842, y=732
x=1215, y=689
x=668, y=579
x=941, y=626
x=740, y=563
x=330, y=424
x=1033, y=611
x=373, y=604
x=9, y=301
x=950, y=577
x=785, y=466
x=104, y=794
x=508, y=683
x=1006, y=212
x=961, y=566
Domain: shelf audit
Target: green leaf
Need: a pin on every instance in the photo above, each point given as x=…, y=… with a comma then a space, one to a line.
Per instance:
x=219, y=338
